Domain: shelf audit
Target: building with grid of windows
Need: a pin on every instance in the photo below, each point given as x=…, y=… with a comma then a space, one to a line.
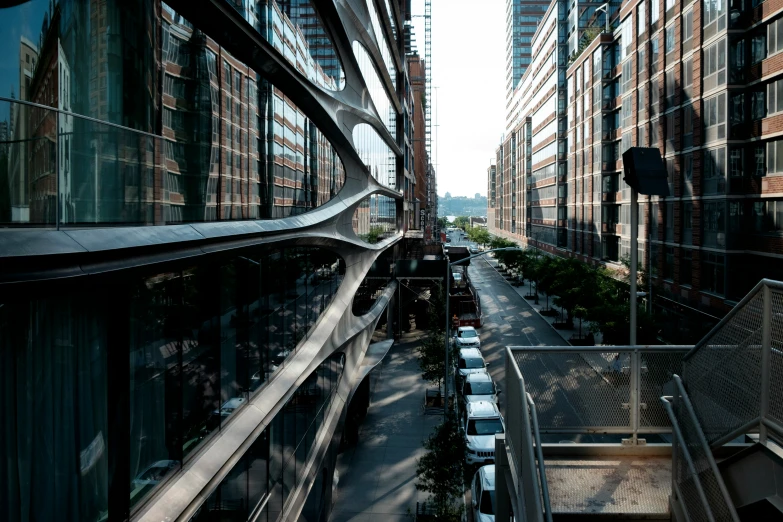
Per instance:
x=700, y=82
x=201, y=204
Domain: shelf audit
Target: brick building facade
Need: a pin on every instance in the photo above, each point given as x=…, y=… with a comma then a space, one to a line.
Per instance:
x=700, y=82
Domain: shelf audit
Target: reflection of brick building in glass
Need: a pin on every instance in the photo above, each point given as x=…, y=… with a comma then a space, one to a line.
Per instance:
x=234, y=146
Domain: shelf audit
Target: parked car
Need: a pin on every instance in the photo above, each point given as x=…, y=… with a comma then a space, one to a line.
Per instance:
x=467, y=337
x=482, y=420
x=457, y=278
x=482, y=492
x=479, y=387
x=469, y=361
x=473, y=249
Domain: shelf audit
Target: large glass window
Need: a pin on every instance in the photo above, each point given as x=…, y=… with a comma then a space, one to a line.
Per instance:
x=272, y=467
x=775, y=36
x=768, y=217
x=641, y=22
x=377, y=89
x=713, y=273
x=375, y=218
x=55, y=375
x=212, y=160
x=775, y=157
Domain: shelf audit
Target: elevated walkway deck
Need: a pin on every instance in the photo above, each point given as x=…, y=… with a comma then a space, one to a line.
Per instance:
x=623, y=486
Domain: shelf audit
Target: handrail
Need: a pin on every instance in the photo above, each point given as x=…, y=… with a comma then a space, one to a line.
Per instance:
x=688, y=458
x=702, y=441
x=80, y=116
x=540, y=458
x=705, y=447
x=769, y=283
x=663, y=348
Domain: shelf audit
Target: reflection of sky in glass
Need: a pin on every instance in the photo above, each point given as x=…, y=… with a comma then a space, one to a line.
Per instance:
x=375, y=154
x=16, y=22
x=379, y=34
x=377, y=89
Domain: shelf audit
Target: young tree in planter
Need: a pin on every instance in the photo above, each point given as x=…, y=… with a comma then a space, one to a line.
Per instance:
x=431, y=357
x=576, y=285
x=528, y=265
x=442, y=471
x=548, y=273
x=580, y=313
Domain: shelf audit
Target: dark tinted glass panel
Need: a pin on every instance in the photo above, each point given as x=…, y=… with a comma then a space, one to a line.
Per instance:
x=55, y=433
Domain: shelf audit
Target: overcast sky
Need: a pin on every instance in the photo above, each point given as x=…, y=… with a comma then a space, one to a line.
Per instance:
x=468, y=69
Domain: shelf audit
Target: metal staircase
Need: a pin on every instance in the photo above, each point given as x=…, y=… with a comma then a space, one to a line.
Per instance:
x=715, y=435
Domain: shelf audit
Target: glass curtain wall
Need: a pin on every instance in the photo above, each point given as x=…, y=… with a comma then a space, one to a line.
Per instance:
x=134, y=376
x=262, y=481
x=375, y=219
x=182, y=131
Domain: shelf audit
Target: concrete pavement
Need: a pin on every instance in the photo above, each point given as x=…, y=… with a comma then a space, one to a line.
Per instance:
x=378, y=476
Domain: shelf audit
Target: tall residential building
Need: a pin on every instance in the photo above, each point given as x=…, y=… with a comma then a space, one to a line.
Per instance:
x=522, y=19
x=219, y=192
x=700, y=83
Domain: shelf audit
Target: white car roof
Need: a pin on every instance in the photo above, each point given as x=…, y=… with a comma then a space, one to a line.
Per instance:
x=486, y=476
x=466, y=328
x=483, y=409
x=479, y=377
x=470, y=353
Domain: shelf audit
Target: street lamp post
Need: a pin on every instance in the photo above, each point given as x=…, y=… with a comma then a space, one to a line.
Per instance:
x=448, y=318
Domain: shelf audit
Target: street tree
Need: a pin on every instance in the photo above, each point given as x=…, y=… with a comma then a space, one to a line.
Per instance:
x=462, y=222
x=479, y=235
x=442, y=471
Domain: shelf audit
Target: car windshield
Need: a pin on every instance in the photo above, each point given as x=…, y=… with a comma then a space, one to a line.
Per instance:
x=487, y=505
x=468, y=333
x=471, y=364
x=479, y=388
x=485, y=427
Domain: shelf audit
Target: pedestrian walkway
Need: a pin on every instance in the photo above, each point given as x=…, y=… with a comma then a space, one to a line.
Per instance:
x=378, y=476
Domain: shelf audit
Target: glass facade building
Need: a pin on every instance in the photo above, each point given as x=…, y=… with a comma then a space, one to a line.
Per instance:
x=186, y=302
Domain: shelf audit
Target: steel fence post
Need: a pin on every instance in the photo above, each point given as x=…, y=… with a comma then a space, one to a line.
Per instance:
x=766, y=359
x=635, y=379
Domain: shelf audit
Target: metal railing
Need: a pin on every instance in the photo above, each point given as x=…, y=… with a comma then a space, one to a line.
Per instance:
x=523, y=446
x=696, y=480
x=734, y=376
x=599, y=389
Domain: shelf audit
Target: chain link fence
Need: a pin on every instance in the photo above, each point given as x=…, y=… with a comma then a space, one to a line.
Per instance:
x=599, y=389
x=734, y=376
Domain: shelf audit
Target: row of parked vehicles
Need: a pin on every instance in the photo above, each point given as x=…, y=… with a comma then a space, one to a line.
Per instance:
x=480, y=418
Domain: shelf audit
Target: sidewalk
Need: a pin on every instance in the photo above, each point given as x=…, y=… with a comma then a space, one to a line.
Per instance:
x=542, y=299
x=378, y=476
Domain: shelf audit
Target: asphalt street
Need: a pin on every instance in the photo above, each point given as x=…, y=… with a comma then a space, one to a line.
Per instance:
x=508, y=319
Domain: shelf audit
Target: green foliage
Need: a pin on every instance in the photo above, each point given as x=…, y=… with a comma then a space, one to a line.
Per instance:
x=443, y=222
x=462, y=222
x=431, y=357
x=589, y=34
x=442, y=471
x=374, y=235
x=479, y=235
